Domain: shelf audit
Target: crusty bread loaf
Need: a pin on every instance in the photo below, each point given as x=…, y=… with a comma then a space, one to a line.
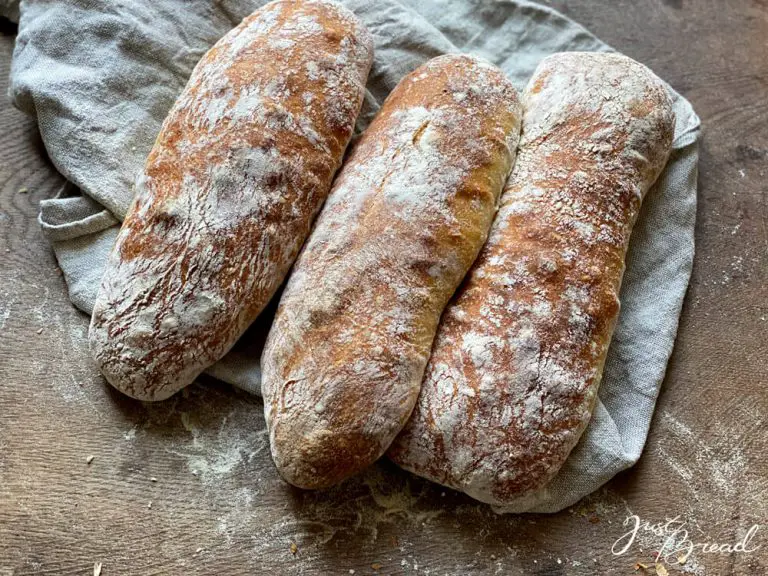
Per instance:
x=240, y=168
x=514, y=371
x=406, y=217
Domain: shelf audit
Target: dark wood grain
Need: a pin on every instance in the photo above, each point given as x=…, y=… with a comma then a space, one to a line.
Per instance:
x=217, y=505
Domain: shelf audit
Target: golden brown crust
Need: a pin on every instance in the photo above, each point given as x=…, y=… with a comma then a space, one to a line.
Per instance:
x=240, y=168
x=407, y=216
x=514, y=371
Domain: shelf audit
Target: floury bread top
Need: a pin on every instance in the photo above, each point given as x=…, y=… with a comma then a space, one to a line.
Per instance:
x=240, y=168
x=407, y=215
x=518, y=357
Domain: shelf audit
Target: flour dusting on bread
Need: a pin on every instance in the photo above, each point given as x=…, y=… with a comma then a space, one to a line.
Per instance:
x=241, y=167
x=408, y=213
x=516, y=363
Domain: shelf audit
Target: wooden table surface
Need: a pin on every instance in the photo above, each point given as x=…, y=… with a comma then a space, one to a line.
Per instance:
x=187, y=485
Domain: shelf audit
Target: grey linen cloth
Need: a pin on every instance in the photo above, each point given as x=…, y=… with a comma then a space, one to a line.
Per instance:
x=100, y=76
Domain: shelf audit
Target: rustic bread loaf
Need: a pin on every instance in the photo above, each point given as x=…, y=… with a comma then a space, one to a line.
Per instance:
x=241, y=166
x=516, y=363
x=406, y=217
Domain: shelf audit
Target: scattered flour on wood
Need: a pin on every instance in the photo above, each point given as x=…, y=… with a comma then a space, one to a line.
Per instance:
x=713, y=467
x=717, y=475
x=7, y=300
x=215, y=453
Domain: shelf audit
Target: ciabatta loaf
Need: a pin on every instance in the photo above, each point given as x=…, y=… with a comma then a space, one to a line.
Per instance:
x=241, y=166
x=517, y=360
x=406, y=217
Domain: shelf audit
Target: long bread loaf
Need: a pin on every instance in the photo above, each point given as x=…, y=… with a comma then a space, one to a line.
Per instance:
x=514, y=371
x=406, y=217
x=239, y=170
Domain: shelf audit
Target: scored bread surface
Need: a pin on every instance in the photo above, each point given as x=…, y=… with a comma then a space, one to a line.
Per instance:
x=518, y=356
x=406, y=217
x=241, y=166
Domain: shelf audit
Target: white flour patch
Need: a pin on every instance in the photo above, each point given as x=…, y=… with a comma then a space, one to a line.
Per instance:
x=236, y=520
x=73, y=380
x=356, y=511
x=216, y=453
x=3, y=468
x=6, y=305
x=715, y=472
x=718, y=464
x=39, y=310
